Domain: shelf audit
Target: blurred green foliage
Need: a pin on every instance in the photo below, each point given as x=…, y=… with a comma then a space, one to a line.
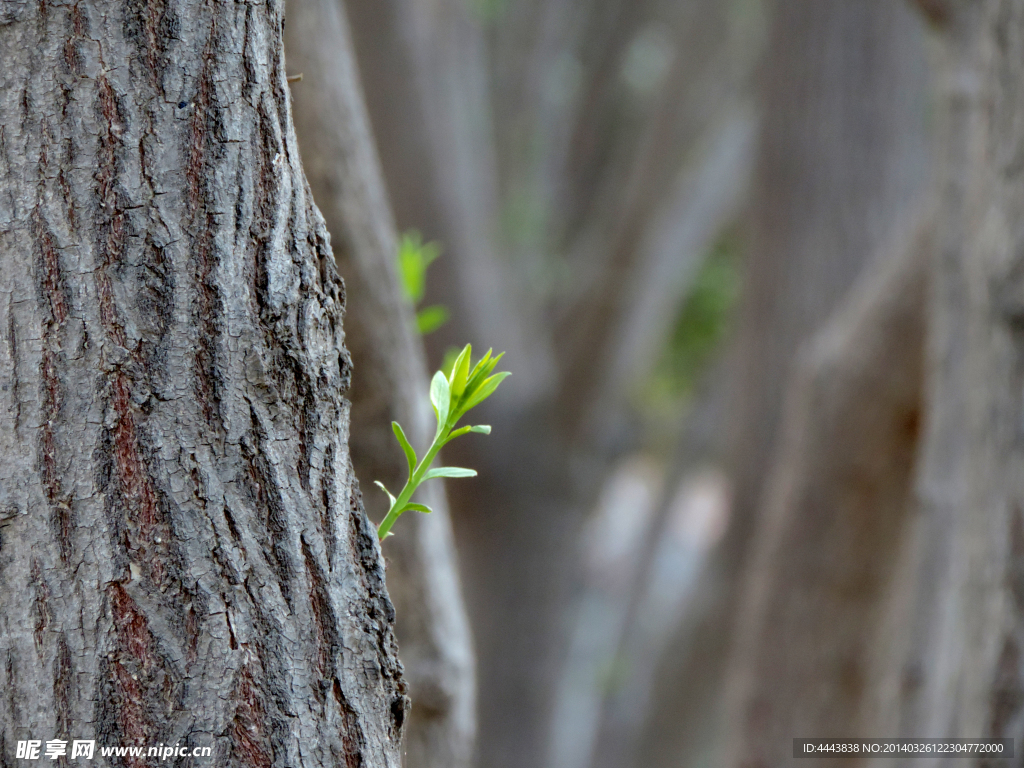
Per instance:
x=702, y=323
x=414, y=256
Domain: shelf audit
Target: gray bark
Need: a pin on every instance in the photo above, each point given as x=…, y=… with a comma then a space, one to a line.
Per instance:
x=389, y=384
x=185, y=557
x=842, y=152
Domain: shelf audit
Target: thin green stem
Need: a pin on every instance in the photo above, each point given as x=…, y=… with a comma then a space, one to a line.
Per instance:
x=451, y=395
x=410, y=488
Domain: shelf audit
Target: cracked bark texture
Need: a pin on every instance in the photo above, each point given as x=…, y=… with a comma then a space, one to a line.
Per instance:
x=185, y=557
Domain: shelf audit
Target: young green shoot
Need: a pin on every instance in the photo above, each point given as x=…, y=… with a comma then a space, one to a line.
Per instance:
x=452, y=396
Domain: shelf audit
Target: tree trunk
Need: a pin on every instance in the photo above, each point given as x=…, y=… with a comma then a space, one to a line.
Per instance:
x=185, y=555
x=827, y=544
x=842, y=152
x=960, y=672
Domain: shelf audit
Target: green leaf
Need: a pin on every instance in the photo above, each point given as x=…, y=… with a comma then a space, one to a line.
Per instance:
x=419, y=508
x=449, y=472
x=480, y=374
x=453, y=391
x=486, y=389
x=448, y=364
x=457, y=433
x=431, y=318
x=411, y=269
x=482, y=429
x=414, y=256
x=440, y=398
x=380, y=485
x=460, y=371
x=475, y=373
x=403, y=441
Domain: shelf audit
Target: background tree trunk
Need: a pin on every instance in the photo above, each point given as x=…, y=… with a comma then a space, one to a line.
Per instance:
x=837, y=509
x=435, y=77
x=185, y=556
x=842, y=153
x=957, y=657
x=389, y=383
x=838, y=76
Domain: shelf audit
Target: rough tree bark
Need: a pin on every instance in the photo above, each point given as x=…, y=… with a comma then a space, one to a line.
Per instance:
x=389, y=383
x=185, y=555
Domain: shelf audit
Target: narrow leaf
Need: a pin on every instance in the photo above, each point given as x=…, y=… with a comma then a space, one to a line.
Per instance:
x=460, y=371
x=480, y=374
x=419, y=508
x=380, y=485
x=457, y=433
x=448, y=364
x=486, y=389
x=481, y=429
x=440, y=397
x=492, y=362
x=403, y=441
x=475, y=373
x=449, y=472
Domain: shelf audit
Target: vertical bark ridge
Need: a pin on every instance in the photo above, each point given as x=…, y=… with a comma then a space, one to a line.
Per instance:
x=248, y=731
x=202, y=126
x=171, y=403
x=54, y=292
x=961, y=640
x=63, y=689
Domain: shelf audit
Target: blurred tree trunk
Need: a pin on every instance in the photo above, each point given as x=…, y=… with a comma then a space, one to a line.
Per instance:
x=388, y=383
x=185, y=557
x=826, y=551
x=433, y=75
x=958, y=667
x=841, y=157
x=424, y=71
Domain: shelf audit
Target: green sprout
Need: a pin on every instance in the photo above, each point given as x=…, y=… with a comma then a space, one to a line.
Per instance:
x=414, y=256
x=452, y=396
